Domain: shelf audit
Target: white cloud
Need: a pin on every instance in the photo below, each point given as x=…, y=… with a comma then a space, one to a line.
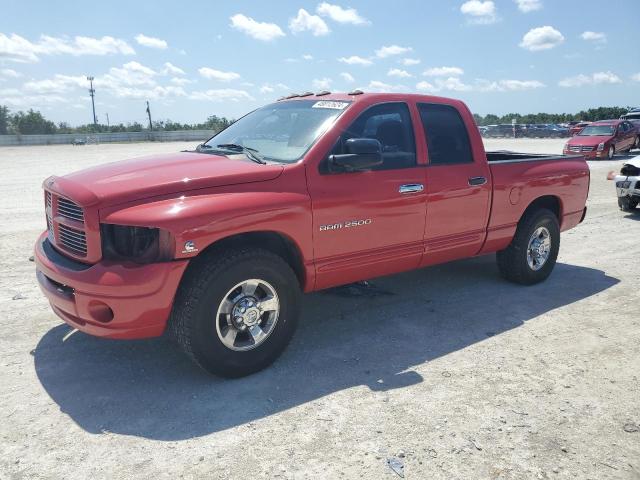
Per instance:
x=266, y=89
x=259, y=30
x=596, y=78
x=19, y=49
x=378, y=86
x=307, y=57
x=219, y=75
x=425, y=87
x=596, y=37
x=636, y=77
x=151, y=42
x=322, y=83
x=507, y=85
x=9, y=73
x=171, y=69
x=347, y=77
x=355, y=60
x=341, y=15
x=220, y=95
x=408, y=62
x=305, y=21
x=479, y=12
x=541, y=38
x=57, y=84
x=131, y=73
x=387, y=51
x=527, y=6
x=443, y=72
x=397, y=72
x=180, y=81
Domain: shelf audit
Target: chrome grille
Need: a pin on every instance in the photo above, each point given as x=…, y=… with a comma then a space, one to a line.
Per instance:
x=72, y=239
x=70, y=210
x=48, y=210
x=580, y=148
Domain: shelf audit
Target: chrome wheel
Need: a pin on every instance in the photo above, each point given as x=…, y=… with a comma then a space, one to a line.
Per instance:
x=611, y=153
x=247, y=315
x=539, y=248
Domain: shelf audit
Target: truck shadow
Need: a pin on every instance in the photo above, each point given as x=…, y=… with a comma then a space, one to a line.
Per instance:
x=348, y=337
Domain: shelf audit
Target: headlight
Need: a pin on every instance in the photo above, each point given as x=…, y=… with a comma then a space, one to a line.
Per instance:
x=136, y=244
x=566, y=146
x=601, y=146
x=623, y=184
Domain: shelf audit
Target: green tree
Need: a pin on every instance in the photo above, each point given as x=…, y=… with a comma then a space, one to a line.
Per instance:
x=4, y=120
x=32, y=123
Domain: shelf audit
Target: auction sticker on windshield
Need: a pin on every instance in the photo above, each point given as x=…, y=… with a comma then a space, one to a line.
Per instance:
x=330, y=104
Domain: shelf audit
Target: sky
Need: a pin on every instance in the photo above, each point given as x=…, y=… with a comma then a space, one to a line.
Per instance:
x=200, y=58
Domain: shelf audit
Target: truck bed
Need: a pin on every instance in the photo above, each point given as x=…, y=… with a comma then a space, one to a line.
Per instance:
x=506, y=156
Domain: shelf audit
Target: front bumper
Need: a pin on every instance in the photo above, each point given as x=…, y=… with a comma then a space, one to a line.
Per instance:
x=632, y=191
x=108, y=299
x=590, y=155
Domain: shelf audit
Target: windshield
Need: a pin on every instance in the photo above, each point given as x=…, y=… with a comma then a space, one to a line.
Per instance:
x=597, y=130
x=281, y=132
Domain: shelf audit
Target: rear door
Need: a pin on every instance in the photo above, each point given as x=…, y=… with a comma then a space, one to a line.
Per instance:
x=458, y=186
x=368, y=224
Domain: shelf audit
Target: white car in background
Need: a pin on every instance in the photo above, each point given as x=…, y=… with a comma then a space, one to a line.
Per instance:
x=628, y=185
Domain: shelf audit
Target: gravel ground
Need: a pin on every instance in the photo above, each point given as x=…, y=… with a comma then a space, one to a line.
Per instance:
x=449, y=371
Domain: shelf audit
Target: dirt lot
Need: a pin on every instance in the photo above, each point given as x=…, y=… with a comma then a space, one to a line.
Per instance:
x=450, y=370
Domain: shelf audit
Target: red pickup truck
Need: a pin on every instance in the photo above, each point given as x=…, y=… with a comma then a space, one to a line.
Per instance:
x=216, y=245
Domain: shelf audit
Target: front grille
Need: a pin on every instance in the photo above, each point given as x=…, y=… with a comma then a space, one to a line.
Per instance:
x=65, y=225
x=72, y=239
x=580, y=148
x=69, y=209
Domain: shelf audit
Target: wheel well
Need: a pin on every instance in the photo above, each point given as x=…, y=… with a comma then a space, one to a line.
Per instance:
x=272, y=241
x=549, y=202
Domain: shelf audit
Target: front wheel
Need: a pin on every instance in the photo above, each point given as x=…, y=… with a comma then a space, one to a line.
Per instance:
x=532, y=254
x=626, y=204
x=236, y=311
x=611, y=152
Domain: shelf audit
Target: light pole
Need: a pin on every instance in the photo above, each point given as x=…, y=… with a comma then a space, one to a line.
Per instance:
x=149, y=114
x=108, y=124
x=92, y=93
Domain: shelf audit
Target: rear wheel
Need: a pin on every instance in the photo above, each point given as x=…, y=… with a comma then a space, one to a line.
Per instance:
x=236, y=311
x=532, y=254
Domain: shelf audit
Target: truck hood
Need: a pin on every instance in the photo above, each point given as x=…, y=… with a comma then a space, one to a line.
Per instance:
x=589, y=140
x=155, y=175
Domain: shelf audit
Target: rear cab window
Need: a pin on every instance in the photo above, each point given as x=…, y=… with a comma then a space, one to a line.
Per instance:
x=446, y=134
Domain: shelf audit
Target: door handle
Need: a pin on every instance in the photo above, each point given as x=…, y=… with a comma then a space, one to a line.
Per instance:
x=411, y=188
x=475, y=181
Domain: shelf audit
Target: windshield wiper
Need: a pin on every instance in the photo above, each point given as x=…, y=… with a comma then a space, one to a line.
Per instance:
x=252, y=153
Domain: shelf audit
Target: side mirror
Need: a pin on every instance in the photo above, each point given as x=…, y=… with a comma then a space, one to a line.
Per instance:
x=362, y=154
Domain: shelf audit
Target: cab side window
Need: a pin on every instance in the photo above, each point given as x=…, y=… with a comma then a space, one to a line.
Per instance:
x=446, y=134
x=390, y=124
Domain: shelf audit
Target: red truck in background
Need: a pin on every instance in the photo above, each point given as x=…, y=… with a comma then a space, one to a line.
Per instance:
x=216, y=245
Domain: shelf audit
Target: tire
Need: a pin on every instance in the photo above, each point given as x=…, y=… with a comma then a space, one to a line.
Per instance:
x=636, y=144
x=513, y=261
x=611, y=152
x=627, y=205
x=198, y=325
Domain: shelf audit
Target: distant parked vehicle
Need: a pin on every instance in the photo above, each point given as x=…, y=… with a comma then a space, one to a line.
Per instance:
x=633, y=114
x=78, y=141
x=505, y=130
x=575, y=129
x=546, y=130
x=604, y=139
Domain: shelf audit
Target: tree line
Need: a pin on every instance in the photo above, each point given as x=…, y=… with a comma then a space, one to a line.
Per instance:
x=33, y=123
x=591, y=115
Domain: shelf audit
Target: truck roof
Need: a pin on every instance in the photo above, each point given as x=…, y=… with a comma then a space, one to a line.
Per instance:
x=369, y=97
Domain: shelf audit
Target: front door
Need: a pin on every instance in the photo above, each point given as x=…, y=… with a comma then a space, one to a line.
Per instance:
x=368, y=224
